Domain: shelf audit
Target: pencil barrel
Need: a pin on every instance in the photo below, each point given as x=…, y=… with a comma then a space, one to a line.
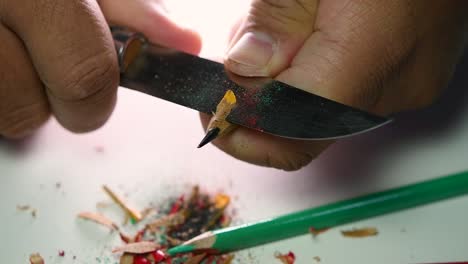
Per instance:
x=342, y=212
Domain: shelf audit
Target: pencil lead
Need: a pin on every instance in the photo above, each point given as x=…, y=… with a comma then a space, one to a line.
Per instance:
x=211, y=135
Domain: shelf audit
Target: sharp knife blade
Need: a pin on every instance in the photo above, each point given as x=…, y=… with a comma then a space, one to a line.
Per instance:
x=263, y=104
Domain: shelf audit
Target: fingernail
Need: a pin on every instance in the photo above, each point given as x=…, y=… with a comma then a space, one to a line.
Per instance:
x=251, y=55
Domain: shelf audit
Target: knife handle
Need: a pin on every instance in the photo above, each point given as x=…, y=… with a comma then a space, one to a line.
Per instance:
x=127, y=44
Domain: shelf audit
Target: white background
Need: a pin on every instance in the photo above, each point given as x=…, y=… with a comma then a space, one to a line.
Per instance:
x=149, y=151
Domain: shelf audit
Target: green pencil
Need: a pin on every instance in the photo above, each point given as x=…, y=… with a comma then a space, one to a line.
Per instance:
x=331, y=215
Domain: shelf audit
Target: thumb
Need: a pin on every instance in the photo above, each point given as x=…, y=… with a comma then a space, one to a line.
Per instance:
x=270, y=36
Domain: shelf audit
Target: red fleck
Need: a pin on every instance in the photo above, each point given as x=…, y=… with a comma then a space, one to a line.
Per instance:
x=139, y=236
x=201, y=204
x=99, y=149
x=289, y=258
x=158, y=256
x=61, y=253
x=176, y=206
x=124, y=238
x=140, y=260
x=251, y=121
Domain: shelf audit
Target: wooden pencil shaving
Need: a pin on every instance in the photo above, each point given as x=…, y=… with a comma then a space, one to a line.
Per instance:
x=27, y=208
x=180, y=220
x=23, y=207
x=167, y=221
x=288, y=258
x=173, y=241
x=229, y=259
x=98, y=218
x=134, y=213
x=315, y=232
x=126, y=259
x=221, y=201
x=361, y=232
x=223, y=109
x=138, y=247
x=195, y=259
x=36, y=258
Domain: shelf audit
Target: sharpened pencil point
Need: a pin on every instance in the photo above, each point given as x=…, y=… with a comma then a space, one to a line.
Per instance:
x=180, y=249
x=211, y=135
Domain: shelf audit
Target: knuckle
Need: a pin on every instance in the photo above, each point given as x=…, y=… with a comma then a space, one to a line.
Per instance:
x=283, y=15
x=21, y=121
x=95, y=74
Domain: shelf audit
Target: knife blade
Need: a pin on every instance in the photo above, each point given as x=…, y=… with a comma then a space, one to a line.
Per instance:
x=263, y=104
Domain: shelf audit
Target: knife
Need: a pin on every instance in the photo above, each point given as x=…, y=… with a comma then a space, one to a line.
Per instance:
x=263, y=104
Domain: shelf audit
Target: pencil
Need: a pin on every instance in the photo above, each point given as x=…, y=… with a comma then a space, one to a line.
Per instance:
x=218, y=125
x=326, y=216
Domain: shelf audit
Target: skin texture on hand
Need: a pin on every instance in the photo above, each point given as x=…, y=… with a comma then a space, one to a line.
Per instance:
x=58, y=57
x=377, y=55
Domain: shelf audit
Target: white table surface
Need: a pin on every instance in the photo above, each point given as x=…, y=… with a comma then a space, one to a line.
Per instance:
x=149, y=151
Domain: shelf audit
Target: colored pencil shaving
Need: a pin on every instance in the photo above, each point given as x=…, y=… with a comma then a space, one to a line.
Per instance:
x=361, y=232
x=36, y=258
x=288, y=258
x=138, y=247
x=98, y=218
x=183, y=219
x=26, y=208
x=218, y=125
x=316, y=232
x=133, y=213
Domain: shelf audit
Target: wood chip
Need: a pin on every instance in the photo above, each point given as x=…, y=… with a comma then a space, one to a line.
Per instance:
x=289, y=258
x=315, y=232
x=126, y=259
x=23, y=207
x=138, y=248
x=361, y=232
x=221, y=201
x=228, y=259
x=98, y=218
x=167, y=221
x=195, y=259
x=134, y=213
x=36, y=258
x=317, y=258
x=173, y=241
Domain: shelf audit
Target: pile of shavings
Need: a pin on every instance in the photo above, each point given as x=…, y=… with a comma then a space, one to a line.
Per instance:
x=180, y=220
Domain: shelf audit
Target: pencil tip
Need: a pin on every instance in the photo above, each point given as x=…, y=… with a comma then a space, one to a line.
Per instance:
x=211, y=135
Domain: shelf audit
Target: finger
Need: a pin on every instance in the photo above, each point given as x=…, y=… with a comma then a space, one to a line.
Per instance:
x=267, y=150
x=270, y=36
x=72, y=49
x=358, y=54
x=150, y=18
x=23, y=106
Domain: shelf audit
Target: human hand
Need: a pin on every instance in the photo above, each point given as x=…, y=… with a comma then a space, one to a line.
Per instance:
x=58, y=57
x=376, y=55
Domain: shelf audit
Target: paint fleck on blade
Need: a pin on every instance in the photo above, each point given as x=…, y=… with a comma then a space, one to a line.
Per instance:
x=361, y=232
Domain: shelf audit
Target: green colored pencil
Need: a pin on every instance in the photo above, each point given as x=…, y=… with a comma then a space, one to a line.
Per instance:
x=338, y=213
